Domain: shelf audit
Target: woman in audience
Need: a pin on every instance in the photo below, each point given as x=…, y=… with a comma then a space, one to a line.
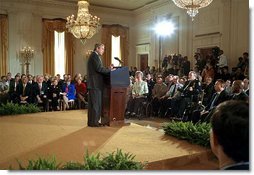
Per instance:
x=139, y=92
x=81, y=92
x=69, y=93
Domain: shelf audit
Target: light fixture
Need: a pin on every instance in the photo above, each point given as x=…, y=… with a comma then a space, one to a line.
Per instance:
x=26, y=54
x=86, y=25
x=192, y=6
x=163, y=28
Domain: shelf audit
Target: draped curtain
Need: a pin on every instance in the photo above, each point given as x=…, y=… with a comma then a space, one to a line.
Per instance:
x=3, y=44
x=49, y=27
x=115, y=30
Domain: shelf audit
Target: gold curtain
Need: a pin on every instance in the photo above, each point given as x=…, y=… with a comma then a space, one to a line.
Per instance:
x=49, y=26
x=115, y=30
x=69, y=48
x=3, y=44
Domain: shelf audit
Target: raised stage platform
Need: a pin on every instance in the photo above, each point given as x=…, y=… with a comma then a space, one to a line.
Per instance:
x=66, y=135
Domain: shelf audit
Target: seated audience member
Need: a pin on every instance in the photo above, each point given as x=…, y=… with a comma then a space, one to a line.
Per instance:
x=159, y=90
x=208, y=90
x=225, y=75
x=150, y=84
x=69, y=92
x=229, y=136
x=41, y=93
x=25, y=91
x=238, y=75
x=228, y=87
x=13, y=94
x=4, y=96
x=47, y=80
x=54, y=94
x=165, y=101
x=208, y=71
x=81, y=92
x=139, y=92
x=189, y=94
x=246, y=86
x=30, y=79
x=77, y=77
x=218, y=97
x=238, y=91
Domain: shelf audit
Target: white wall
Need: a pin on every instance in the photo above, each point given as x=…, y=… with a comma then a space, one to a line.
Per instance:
x=224, y=23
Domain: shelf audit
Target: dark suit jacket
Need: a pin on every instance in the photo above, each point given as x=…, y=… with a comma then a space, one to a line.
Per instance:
x=28, y=91
x=96, y=72
x=54, y=89
x=242, y=96
x=12, y=87
x=43, y=91
x=238, y=166
x=222, y=97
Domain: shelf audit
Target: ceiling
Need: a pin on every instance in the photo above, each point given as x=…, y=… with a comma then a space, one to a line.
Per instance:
x=117, y=4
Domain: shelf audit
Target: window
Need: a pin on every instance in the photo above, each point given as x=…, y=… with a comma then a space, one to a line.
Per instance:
x=59, y=53
x=116, y=51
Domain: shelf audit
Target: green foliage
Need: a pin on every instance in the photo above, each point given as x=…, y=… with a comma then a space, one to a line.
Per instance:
x=93, y=162
x=13, y=109
x=41, y=164
x=121, y=161
x=195, y=133
x=112, y=161
x=72, y=166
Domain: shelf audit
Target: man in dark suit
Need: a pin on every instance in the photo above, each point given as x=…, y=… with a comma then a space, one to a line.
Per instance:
x=13, y=94
x=25, y=91
x=218, y=97
x=95, y=84
x=229, y=136
x=40, y=95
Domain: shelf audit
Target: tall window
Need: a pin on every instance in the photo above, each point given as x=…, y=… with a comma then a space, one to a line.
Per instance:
x=116, y=51
x=59, y=53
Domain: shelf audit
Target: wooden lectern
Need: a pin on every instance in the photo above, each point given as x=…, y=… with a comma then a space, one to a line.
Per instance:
x=115, y=97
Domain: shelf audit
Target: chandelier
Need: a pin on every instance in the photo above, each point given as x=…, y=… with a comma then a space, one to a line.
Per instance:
x=192, y=6
x=86, y=25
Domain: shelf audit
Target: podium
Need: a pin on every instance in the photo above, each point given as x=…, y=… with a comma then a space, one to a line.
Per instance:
x=115, y=97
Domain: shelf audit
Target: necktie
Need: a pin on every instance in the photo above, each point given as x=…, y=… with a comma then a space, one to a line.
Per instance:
x=173, y=93
x=40, y=86
x=24, y=87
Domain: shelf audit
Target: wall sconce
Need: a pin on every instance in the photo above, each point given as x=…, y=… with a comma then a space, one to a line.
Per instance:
x=88, y=53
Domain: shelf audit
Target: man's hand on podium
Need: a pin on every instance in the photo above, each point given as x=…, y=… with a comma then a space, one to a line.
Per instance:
x=112, y=67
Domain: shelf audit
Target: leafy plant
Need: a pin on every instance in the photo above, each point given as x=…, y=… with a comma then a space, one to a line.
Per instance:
x=195, y=133
x=72, y=166
x=92, y=162
x=112, y=161
x=13, y=109
x=121, y=161
x=41, y=164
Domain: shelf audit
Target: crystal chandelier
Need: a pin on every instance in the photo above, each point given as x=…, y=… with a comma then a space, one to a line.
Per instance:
x=86, y=25
x=192, y=6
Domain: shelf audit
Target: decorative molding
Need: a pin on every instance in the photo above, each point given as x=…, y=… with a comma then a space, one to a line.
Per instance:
x=208, y=34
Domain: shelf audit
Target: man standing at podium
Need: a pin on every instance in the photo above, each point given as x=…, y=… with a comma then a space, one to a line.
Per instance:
x=95, y=75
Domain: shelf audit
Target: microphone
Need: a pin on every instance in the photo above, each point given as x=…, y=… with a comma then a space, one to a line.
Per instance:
x=116, y=58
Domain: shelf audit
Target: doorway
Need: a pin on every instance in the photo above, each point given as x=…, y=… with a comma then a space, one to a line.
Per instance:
x=205, y=51
x=143, y=61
